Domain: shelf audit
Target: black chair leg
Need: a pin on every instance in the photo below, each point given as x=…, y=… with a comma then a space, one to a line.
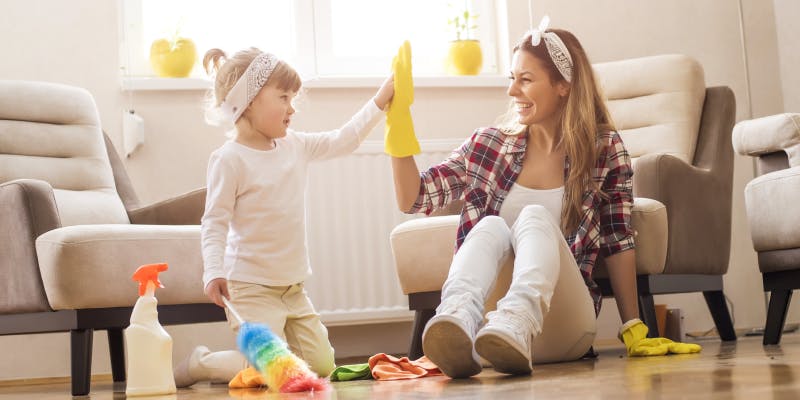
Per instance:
x=715, y=300
x=647, y=312
x=421, y=318
x=116, y=349
x=776, y=315
x=81, y=355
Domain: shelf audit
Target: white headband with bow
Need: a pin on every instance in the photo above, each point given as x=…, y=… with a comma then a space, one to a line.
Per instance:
x=555, y=47
x=248, y=86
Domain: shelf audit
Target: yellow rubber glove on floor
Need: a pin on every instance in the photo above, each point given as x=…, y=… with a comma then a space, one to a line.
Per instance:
x=634, y=334
x=400, y=140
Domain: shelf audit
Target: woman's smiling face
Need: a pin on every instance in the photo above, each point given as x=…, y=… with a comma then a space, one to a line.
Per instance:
x=538, y=100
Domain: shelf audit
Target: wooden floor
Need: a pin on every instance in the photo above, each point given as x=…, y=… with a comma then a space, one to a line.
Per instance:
x=742, y=370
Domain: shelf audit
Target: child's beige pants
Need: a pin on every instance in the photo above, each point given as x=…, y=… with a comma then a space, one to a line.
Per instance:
x=288, y=312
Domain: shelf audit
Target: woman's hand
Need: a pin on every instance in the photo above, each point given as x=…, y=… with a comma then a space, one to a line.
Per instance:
x=216, y=290
x=385, y=93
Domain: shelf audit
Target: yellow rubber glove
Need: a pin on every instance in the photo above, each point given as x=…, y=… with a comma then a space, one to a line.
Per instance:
x=400, y=140
x=634, y=334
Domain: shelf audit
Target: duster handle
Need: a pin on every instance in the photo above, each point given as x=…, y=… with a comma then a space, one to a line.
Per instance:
x=232, y=310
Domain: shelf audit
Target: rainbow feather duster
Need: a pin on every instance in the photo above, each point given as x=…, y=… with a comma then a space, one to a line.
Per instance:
x=282, y=370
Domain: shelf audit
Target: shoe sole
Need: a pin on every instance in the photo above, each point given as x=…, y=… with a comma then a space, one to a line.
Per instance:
x=450, y=348
x=504, y=357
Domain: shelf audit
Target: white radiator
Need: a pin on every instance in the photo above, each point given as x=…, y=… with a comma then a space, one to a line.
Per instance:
x=351, y=211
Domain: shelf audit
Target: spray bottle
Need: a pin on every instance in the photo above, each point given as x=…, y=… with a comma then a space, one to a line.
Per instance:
x=149, y=345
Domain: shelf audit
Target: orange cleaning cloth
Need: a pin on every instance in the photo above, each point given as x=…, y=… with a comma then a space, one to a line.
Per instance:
x=386, y=367
x=247, y=378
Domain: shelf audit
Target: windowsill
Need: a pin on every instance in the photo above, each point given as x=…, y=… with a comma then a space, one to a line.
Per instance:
x=329, y=82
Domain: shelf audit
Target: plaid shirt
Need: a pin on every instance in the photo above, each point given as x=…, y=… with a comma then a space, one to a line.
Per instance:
x=484, y=168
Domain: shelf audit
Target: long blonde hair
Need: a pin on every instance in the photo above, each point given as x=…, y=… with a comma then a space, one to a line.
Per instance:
x=228, y=70
x=583, y=118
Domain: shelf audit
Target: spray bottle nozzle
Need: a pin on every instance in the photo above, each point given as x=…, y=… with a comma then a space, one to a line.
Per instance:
x=149, y=273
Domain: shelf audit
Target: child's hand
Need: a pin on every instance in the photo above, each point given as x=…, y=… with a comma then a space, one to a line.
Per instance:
x=385, y=93
x=216, y=289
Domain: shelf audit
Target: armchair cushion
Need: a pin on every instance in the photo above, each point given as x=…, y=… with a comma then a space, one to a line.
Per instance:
x=656, y=103
x=90, y=266
x=52, y=132
x=765, y=135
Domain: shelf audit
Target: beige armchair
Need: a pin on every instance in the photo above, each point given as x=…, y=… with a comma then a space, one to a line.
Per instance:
x=772, y=200
x=677, y=132
x=72, y=232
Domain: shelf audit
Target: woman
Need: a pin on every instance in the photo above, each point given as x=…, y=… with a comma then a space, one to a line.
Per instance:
x=553, y=188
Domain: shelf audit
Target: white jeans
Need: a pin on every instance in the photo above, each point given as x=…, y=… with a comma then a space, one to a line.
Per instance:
x=547, y=289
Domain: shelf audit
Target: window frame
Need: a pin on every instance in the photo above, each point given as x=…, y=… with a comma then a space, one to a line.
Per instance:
x=310, y=23
x=329, y=65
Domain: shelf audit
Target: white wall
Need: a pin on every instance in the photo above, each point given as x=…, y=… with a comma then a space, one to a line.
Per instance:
x=786, y=15
x=76, y=42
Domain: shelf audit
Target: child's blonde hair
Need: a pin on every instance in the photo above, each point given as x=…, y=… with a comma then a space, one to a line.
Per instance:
x=228, y=70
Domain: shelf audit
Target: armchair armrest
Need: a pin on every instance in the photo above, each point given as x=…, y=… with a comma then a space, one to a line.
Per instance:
x=423, y=249
x=772, y=212
x=29, y=210
x=765, y=135
x=698, y=196
x=698, y=212
x=186, y=209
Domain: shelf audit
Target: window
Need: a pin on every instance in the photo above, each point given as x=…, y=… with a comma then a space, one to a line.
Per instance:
x=317, y=37
x=357, y=37
x=231, y=25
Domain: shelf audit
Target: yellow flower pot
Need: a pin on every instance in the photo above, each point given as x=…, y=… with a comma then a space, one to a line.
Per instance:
x=173, y=59
x=464, y=57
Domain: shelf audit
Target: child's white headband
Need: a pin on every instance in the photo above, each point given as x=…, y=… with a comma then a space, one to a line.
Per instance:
x=248, y=86
x=555, y=47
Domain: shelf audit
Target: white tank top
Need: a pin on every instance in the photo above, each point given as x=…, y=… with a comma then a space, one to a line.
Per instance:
x=520, y=196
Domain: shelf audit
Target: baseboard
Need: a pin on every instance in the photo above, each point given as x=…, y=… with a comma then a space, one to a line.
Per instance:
x=50, y=380
x=787, y=328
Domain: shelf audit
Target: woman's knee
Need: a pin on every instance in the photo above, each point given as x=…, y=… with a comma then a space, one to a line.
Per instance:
x=491, y=225
x=534, y=211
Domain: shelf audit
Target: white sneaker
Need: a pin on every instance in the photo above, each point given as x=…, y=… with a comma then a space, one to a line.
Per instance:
x=448, y=341
x=505, y=341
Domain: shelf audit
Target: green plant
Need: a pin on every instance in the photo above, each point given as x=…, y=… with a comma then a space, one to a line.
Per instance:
x=464, y=23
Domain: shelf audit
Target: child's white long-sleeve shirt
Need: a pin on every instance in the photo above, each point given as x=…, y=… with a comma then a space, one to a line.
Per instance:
x=253, y=229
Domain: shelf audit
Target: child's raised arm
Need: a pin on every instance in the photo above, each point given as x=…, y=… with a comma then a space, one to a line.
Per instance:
x=385, y=93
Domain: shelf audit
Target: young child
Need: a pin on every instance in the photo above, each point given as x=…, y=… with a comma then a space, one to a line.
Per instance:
x=253, y=229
